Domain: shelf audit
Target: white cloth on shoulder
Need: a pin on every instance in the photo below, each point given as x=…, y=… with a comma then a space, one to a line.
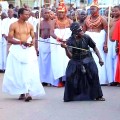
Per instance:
x=22, y=72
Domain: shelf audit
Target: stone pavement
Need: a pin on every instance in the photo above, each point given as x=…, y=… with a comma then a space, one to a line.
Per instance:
x=52, y=107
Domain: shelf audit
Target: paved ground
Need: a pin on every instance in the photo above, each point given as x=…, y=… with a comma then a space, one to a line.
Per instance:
x=51, y=107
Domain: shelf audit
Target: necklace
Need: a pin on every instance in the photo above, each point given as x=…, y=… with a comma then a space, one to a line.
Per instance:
x=93, y=24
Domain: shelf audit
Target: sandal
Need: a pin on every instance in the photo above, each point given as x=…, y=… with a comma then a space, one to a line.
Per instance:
x=100, y=99
x=27, y=99
x=22, y=97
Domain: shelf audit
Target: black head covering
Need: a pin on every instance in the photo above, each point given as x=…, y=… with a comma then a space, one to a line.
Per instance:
x=75, y=28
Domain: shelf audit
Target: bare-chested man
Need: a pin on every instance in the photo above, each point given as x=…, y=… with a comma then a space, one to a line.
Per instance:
x=46, y=74
x=96, y=26
x=60, y=31
x=22, y=72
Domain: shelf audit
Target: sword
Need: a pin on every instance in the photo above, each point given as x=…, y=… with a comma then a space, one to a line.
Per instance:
x=60, y=44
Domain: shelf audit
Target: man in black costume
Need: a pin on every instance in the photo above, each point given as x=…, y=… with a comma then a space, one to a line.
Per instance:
x=82, y=80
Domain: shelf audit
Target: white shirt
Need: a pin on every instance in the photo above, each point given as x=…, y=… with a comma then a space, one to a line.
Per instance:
x=6, y=24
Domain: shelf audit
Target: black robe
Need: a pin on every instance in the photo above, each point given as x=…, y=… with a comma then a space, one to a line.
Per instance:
x=82, y=80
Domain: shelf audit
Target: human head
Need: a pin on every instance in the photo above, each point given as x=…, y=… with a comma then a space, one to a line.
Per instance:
x=10, y=13
x=25, y=6
x=16, y=9
x=52, y=15
x=82, y=15
x=3, y=15
x=61, y=10
x=94, y=11
x=73, y=16
x=94, y=8
x=106, y=12
x=37, y=14
x=116, y=11
x=11, y=6
x=46, y=14
x=23, y=14
x=76, y=29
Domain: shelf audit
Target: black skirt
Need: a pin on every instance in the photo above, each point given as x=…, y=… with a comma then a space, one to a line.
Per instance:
x=82, y=81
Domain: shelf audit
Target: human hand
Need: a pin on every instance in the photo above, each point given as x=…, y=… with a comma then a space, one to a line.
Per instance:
x=63, y=45
x=105, y=48
x=27, y=44
x=59, y=39
x=117, y=50
x=101, y=62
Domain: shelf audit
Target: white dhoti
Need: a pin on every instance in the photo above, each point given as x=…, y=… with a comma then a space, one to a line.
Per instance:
x=99, y=39
x=46, y=73
x=59, y=59
x=3, y=53
x=22, y=72
x=109, y=62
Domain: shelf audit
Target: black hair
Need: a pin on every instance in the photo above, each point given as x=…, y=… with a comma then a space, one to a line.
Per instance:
x=21, y=11
x=11, y=6
x=117, y=6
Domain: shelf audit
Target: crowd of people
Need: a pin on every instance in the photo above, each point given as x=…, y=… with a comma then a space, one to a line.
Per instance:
x=60, y=47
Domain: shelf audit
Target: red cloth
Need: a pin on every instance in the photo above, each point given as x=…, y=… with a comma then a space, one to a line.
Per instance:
x=116, y=36
x=116, y=32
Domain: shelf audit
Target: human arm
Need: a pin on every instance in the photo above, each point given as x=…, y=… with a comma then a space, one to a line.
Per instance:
x=52, y=26
x=10, y=37
x=32, y=34
x=111, y=27
x=105, y=27
x=99, y=56
x=36, y=40
x=117, y=47
x=68, y=53
x=92, y=44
